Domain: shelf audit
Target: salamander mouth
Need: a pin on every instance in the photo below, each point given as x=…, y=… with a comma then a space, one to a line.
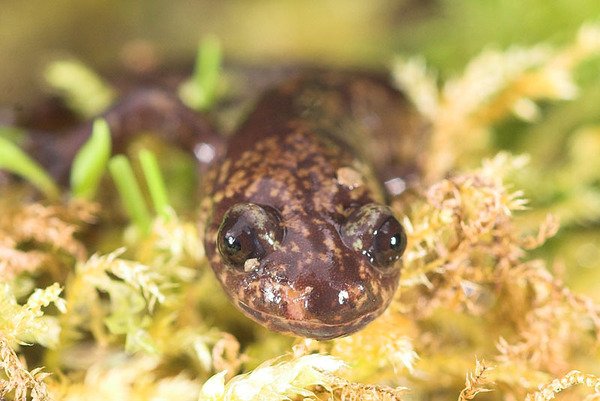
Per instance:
x=312, y=328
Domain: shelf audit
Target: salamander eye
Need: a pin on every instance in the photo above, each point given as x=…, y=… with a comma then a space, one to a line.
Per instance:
x=248, y=231
x=374, y=232
x=389, y=242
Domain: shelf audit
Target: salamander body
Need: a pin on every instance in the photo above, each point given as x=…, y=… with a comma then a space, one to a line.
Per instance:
x=300, y=237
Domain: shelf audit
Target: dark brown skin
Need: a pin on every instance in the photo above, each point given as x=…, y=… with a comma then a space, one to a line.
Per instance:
x=299, y=235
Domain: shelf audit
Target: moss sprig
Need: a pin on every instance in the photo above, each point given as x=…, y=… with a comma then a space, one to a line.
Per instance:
x=494, y=85
x=19, y=382
x=25, y=324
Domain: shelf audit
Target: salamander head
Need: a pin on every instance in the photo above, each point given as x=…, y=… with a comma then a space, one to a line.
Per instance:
x=311, y=274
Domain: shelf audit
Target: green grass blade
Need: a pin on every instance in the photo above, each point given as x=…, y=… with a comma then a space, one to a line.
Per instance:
x=83, y=90
x=156, y=183
x=90, y=162
x=200, y=91
x=13, y=159
x=130, y=192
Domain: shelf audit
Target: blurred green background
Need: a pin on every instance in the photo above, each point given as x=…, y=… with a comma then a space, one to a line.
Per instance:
x=339, y=32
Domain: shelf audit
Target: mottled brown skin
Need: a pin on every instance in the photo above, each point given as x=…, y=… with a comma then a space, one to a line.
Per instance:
x=287, y=156
x=303, y=171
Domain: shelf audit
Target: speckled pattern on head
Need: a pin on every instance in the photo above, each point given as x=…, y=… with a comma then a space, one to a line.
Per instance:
x=288, y=157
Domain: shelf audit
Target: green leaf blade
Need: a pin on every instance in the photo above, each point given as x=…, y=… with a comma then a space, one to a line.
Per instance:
x=156, y=183
x=16, y=161
x=130, y=192
x=90, y=162
x=200, y=91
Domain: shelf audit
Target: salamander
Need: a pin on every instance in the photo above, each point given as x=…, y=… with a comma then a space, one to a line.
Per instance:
x=299, y=234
